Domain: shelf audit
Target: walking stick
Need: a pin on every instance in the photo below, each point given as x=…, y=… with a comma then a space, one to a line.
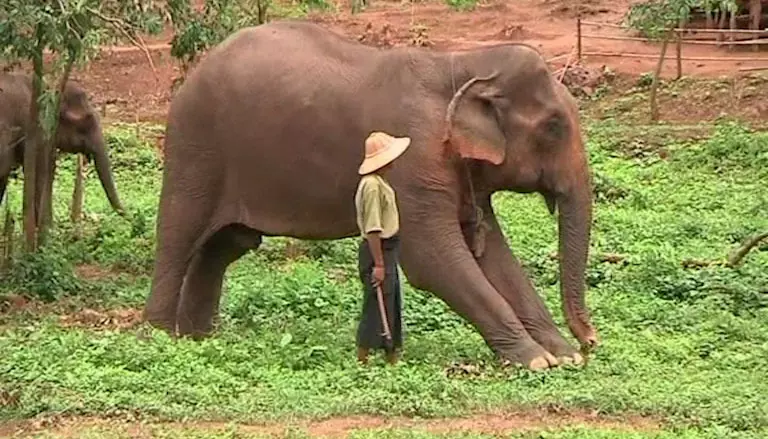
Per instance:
x=384, y=321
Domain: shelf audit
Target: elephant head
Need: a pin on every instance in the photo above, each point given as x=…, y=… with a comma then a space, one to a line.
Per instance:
x=520, y=128
x=80, y=131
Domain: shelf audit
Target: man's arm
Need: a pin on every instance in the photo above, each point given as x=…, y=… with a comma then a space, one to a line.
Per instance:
x=374, y=243
x=372, y=227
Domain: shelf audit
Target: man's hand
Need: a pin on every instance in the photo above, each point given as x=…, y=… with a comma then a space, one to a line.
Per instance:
x=378, y=275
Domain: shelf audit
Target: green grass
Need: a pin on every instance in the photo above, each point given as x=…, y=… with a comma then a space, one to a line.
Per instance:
x=688, y=345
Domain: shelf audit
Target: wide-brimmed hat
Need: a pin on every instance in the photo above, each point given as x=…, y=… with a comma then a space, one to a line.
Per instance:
x=380, y=150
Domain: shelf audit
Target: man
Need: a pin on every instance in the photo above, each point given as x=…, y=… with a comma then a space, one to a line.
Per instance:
x=379, y=223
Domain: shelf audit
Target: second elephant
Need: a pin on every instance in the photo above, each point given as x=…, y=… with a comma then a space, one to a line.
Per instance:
x=79, y=130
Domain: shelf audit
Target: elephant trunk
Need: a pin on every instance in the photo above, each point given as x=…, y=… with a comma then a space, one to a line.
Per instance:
x=574, y=224
x=104, y=171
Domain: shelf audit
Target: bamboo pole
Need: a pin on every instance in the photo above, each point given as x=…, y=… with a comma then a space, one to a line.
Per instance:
x=578, y=37
x=683, y=40
x=752, y=69
x=714, y=31
x=692, y=58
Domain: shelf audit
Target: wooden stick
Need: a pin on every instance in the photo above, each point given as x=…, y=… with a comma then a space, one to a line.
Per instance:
x=683, y=40
x=578, y=36
x=565, y=68
x=555, y=58
x=752, y=69
x=735, y=258
x=715, y=31
x=692, y=58
x=383, y=314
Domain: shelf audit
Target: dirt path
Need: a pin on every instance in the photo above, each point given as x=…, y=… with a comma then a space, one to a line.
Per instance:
x=339, y=427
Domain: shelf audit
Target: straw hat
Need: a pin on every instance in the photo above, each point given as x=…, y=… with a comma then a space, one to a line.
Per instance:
x=380, y=150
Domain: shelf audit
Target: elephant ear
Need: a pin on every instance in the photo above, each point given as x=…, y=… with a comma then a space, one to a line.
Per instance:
x=80, y=119
x=472, y=128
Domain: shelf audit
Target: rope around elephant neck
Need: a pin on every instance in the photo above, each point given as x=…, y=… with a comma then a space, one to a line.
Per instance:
x=478, y=213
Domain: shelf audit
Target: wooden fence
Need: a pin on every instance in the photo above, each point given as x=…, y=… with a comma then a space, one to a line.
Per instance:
x=677, y=35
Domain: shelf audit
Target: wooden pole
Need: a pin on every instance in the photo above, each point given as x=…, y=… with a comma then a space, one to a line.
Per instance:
x=655, y=84
x=578, y=36
x=679, y=47
x=709, y=31
x=684, y=40
x=691, y=58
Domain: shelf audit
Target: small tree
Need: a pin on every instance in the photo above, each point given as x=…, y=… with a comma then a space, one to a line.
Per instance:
x=71, y=31
x=196, y=31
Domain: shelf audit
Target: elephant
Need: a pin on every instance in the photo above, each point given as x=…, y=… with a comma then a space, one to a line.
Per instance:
x=79, y=130
x=264, y=138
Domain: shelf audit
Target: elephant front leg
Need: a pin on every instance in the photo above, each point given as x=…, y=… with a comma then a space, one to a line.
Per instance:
x=505, y=273
x=436, y=258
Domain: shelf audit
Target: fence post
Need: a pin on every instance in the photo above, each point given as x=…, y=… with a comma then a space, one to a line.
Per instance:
x=578, y=36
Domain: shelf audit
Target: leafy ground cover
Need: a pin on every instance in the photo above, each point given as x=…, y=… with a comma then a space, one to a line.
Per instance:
x=684, y=338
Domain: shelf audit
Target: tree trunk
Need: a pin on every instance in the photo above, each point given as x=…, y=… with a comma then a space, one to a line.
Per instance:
x=262, y=6
x=76, y=210
x=33, y=143
x=8, y=231
x=46, y=165
x=47, y=161
x=656, y=75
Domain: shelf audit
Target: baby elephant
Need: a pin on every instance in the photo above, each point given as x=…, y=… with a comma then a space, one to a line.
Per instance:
x=79, y=130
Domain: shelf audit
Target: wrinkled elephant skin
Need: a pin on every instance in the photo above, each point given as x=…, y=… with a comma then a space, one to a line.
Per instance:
x=265, y=136
x=79, y=130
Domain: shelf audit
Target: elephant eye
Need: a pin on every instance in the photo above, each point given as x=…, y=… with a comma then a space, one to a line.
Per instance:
x=555, y=126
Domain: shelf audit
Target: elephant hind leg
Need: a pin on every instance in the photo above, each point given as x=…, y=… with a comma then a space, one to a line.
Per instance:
x=182, y=226
x=201, y=291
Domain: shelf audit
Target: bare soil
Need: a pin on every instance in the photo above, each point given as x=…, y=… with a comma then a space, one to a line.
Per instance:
x=126, y=88
x=339, y=427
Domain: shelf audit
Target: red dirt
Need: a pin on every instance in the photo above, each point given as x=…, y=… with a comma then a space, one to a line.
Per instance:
x=339, y=427
x=111, y=319
x=124, y=85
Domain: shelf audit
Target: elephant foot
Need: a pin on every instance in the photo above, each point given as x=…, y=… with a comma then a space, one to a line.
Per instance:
x=544, y=362
x=196, y=334
x=532, y=357
x=555, y=344
x=160, y=322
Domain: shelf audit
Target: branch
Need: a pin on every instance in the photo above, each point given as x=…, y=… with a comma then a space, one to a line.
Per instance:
x=735, y=258
x=122, y=26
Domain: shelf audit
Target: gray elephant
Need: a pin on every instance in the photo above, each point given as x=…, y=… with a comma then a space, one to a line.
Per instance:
x=79, y=130
x=265, y=136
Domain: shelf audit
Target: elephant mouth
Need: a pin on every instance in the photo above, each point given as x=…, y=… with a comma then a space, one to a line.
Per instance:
x=551, y=200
